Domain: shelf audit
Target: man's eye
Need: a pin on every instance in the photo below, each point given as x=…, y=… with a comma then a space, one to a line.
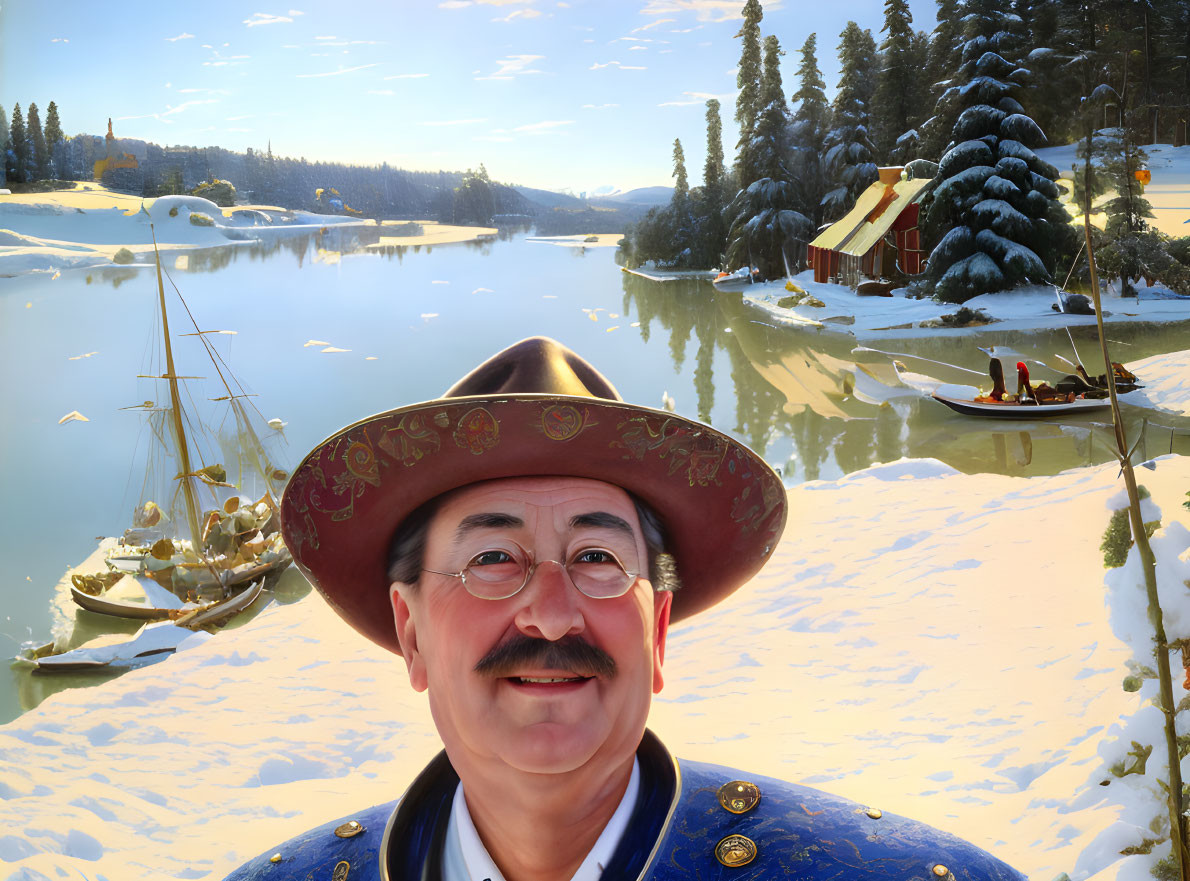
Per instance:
x=596, y=556
x=490, y=558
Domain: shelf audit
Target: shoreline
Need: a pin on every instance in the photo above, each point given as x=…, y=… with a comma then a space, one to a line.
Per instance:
x=87, y=227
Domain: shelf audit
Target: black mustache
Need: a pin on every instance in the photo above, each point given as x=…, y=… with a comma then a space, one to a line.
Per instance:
x=570, y=653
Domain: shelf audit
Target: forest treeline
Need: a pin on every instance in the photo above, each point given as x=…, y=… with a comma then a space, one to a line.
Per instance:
x=42, y=156
x=966, y=105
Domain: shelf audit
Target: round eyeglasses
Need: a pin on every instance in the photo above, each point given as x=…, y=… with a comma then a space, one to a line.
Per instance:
x=497, y=574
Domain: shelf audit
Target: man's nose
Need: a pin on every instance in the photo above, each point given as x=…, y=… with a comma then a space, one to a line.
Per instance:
x=550, y=607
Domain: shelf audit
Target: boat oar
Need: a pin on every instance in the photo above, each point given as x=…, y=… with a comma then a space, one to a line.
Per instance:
x=918, y=357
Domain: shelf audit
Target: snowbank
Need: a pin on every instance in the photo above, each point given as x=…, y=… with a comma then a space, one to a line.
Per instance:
x=86, y=226
x=1027, y=308
x=930, y=643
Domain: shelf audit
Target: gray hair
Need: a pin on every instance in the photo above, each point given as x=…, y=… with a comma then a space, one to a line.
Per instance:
x=406, y=551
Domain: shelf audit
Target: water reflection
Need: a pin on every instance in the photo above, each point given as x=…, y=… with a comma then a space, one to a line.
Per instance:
x=795, y=398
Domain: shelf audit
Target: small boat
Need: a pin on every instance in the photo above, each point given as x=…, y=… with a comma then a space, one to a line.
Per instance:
x=739, y=280
x=1074, y=394
x=152, y=643
x=1017, y=410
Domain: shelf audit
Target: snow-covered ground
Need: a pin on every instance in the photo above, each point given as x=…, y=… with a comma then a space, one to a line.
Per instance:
x=86, y=227
x=1025, y=308
x=927, y=642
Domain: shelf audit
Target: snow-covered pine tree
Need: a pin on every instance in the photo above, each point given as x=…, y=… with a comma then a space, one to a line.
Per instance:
x=748, y=80
x=18, y=154
x=850, y=159
x=766, y=221
x=40, y=166
x=897, y=106
x=811, y=122
x=942, y=63
x=712, y=229
x=679, y=207
x=54, y=141
x=5, y=141
x=996, y=201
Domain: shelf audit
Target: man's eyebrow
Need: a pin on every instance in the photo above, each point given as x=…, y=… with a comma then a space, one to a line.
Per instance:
x=472, y=522
x=602, y=520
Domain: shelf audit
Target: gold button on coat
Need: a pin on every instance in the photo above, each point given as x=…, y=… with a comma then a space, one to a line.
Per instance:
x=350, y=829
x=739, y=796
x=941, y=871
x=341, y=870
x=735, y=851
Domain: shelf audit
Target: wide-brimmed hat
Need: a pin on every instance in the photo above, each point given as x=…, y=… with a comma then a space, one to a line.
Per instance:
x=534, y=409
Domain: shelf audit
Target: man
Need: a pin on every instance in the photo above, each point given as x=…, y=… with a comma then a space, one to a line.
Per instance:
x=523, y=543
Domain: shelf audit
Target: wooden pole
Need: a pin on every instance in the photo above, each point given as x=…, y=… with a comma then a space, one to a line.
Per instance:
x=1177, y=820
x=176, y=410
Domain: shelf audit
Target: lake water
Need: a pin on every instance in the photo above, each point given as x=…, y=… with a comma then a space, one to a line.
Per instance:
x=412, y=323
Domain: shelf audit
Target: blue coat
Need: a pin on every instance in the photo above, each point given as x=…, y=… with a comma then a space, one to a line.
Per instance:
x=684, y=826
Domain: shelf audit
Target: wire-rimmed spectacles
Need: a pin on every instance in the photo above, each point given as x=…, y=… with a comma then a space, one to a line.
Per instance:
x=499, y=573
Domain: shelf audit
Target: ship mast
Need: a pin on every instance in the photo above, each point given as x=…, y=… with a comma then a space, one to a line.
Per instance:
x=176, y=409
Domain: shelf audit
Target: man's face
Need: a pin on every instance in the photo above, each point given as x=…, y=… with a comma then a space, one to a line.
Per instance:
x=508, y=716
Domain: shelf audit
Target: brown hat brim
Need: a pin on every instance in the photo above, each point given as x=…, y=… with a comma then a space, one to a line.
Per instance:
x=723, y=507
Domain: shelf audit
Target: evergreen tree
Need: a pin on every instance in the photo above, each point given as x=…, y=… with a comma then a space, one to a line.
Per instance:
x=748, y=79
x=811, y=123
x=897, y=102
x=942, y=63
x=996, y=200
x=5, y=141
x=681, y=195
x=849, y=158
x=473, y=201
x=40, y=167
x=55, y=142
x=18, y=159
x=766, y=220
x=53, y=128
x=711, y=235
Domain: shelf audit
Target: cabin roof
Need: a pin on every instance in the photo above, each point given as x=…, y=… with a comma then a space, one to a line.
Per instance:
x=876, y=209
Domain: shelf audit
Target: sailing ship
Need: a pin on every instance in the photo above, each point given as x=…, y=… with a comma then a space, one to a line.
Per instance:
x=195, y=533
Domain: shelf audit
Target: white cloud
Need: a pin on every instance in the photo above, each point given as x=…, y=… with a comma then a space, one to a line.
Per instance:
x=638, y=48
x=454, y=4
x=296, y=12
x=339, y=72
x=697, y=98
x=442, y=122
x=186, y=105
x=537, y=128
x=407, y=76
x=60, y=40
x=653, y=24
x=259, y=18
x=181, y=36
x=513, y=65
x=598, y=66
x=705, y=10
x=520, y=13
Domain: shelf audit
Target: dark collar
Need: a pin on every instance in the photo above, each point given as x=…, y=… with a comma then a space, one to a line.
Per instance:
x=413, y=842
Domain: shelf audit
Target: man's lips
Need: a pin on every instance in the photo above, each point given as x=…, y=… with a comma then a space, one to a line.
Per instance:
x=552, y=679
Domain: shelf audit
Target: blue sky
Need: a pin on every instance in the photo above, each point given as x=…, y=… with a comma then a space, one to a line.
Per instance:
x=575, y=95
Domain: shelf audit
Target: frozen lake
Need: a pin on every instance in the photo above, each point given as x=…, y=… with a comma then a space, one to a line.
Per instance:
x=411, y=324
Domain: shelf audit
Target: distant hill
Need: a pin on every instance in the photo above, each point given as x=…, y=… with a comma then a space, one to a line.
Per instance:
x=643, y=196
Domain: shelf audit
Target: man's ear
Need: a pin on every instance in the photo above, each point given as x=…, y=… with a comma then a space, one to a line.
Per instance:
x=662, y=603
x=407, y=634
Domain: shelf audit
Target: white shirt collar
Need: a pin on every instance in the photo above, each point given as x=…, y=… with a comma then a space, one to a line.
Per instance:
x=466, y=859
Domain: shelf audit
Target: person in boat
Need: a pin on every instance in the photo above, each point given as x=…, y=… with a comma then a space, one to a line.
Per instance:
x=524, y=543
